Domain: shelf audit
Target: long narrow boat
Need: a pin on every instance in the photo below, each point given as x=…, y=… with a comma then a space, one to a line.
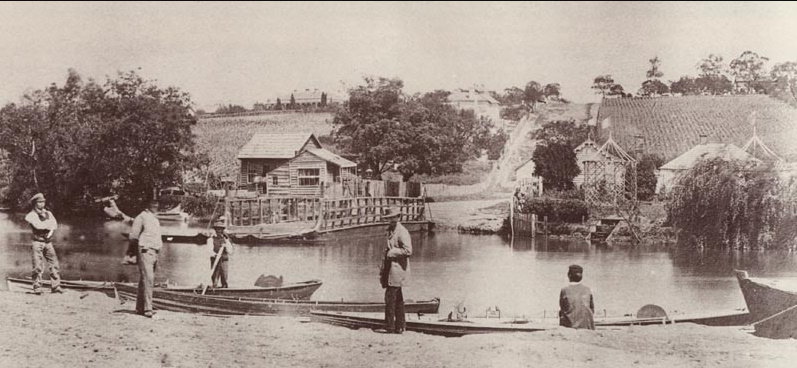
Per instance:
x=295, y=291
x=772, y=305
x=224, y=305
x=17, y=284
x=431, y=325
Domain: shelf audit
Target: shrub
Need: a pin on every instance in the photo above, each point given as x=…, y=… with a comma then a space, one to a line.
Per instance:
x=201, y=206
x=557, y=210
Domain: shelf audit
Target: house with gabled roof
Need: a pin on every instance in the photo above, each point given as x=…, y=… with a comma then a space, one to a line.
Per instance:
x=290, y=164
x=669, y=173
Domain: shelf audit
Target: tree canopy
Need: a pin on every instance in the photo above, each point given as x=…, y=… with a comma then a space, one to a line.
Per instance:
x=419, y=134
x=554, y=157
x=85, y=140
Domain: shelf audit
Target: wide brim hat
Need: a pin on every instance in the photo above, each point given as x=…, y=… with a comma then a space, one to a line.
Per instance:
x=37, y=197
x=391, y=212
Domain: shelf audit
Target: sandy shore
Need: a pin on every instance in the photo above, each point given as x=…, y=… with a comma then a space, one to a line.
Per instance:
x=79, y=329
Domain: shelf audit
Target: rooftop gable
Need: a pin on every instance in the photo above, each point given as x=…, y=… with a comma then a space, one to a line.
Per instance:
x=708, y=151
x=275, y=145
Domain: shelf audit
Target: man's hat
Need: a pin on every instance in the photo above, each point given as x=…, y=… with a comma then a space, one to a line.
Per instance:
x=575, y=269
x=391, y=212
x=220, y=222
x=38, y=197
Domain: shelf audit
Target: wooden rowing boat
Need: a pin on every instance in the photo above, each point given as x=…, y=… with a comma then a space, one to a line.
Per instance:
x=772, y=305
x=166, y=299
x=430, y=324
x=295, y=291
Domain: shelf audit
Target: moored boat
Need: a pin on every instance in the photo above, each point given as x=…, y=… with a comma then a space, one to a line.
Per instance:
x=772, y=305
x=26, y=285
x=430, y=324
x=165, y=299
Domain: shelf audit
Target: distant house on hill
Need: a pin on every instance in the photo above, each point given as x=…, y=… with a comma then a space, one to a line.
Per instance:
x=477, y=100
x=670, y=126
x=290, y=164
x=669, y=173
x=305, y=99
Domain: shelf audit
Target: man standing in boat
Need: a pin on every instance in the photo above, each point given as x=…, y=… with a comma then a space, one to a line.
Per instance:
x=219, y=241
x=395, y=270
x=43, y=224
x=576, y=306
x=146, y=236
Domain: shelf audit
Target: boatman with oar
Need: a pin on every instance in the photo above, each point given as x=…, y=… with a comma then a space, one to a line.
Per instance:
x=217, y=243
x=576, y=306
x=146, y=235
x=395, y=270
x=43, y=224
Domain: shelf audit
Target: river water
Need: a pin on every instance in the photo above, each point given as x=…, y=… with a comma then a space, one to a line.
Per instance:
x=522, y=277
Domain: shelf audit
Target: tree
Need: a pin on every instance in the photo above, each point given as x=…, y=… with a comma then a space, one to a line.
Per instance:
x=749, y=69
x=784, y=76
x=230, y=109
x=554, y=157
x=292, y=104
x=278, y=105
x=259, y=107
x=653, y=87
x=685, y=86
x=646, y=175
x=552, y=90
x=654, y=72
x=83, y=140
x=712, y=66
x=532, y=94
x=323, y=99
x=602, y=84
x=616, y=90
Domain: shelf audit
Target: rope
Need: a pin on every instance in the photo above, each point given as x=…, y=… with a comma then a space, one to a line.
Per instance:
x=773, y=316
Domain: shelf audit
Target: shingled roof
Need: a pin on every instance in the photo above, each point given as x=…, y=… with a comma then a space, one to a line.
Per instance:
x=331, y=157
x=706, y=152
x=671, y=126
x=271, y=145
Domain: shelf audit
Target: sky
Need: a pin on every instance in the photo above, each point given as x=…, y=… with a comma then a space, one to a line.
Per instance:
x=243, y=53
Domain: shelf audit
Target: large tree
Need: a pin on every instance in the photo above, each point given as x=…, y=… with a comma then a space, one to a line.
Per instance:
x=712, y=66
x=602, y=84
x=85, y=140
x=750, y=68
x=554, y=158
x=532, y=94
x=784, y=76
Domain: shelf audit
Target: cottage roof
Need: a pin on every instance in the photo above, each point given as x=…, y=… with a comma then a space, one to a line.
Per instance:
x=709, y=151
x=331, y=157
x=465, y=95
x=276, y=145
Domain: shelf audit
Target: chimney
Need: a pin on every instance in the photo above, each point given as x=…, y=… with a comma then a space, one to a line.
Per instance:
x=703, y=139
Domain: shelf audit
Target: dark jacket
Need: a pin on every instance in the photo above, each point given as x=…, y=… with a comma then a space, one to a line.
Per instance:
x=576, y=307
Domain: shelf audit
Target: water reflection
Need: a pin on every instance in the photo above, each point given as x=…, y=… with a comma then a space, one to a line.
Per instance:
x=522, y=276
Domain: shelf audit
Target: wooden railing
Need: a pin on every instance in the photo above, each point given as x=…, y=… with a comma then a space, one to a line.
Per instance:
x=324, y=213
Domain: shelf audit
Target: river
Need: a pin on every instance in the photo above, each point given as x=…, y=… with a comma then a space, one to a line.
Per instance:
x=521, y=277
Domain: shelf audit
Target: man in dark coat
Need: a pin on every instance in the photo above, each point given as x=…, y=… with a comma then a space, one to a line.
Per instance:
x=576, y=306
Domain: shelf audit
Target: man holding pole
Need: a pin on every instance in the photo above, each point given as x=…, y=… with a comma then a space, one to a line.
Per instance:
x=395, y=270
x=43, y=225
x=146, y=236
x=219, y=246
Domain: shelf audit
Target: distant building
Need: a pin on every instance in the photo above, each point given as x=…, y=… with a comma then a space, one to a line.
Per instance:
x=478, y=100
x=669, y=173
x=292, y=164
x=305, y=99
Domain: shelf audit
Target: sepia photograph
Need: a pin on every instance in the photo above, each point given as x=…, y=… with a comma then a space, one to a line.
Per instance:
x=398, y=184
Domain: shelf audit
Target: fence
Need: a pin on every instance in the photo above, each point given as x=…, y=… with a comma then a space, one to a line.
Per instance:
x=445, y=190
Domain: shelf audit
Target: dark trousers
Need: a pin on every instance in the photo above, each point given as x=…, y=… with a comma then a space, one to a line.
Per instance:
x=394, y=309
x=220, y=273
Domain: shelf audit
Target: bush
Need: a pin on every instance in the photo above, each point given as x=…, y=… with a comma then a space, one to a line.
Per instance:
x=202, y=206
x=557, y=210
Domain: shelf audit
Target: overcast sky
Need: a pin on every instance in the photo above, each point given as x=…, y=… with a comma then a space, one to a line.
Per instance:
x=247, y=52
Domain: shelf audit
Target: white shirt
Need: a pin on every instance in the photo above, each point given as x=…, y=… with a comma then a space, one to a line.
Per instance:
x=147, y=229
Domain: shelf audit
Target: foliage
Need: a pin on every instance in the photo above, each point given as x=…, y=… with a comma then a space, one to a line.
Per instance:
x=750, y=67
x=514, y=112
x=83, y=140
x=602, y=84
x=278, y=105
x=714, y=85
x=201, y=206
x=230, y=109
x=420, y=134
x=495, y=144
x=532, y=94
x=654, y=72
x=724, y=204
x=784, y=76
x=646, y=176
x=616, y=90
x=552, y=90
x=473, y=172
x=292, y=104
x=557, y=210
x=712, y=67
x=554, y=158
x=653, y=87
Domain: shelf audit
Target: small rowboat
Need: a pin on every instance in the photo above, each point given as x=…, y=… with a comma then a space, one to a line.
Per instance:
x=430, y=324
x=295, y=291
x=772, y=305
x=165, y=299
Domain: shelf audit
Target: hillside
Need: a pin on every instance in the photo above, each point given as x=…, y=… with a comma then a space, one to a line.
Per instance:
x=221, y=138
x=672, y=125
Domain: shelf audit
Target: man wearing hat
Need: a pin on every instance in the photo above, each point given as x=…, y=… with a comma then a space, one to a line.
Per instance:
x=43, y=224
x=217, y=242
x=576, y=306
x=395, y=270
x=146, y=236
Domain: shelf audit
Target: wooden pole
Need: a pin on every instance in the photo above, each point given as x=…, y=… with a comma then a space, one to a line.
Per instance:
x=213, y=269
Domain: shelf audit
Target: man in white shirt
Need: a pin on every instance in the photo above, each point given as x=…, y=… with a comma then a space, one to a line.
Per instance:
x=215, y=243
x=146, y=234
x=43, y=224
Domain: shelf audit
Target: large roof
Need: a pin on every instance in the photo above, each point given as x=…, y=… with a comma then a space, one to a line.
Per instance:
x=706, y=152
x=670, y=126
x=471, y=95
x=331, y=157
x=275, y=145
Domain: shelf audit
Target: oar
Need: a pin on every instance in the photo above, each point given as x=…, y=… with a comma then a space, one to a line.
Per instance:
x=213, y=269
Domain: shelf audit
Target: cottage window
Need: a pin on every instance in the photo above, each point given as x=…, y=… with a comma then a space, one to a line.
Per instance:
x=253, y=171
x=274, y=180
x=309, y=177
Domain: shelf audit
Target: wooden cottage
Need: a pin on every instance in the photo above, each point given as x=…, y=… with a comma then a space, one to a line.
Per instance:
x=291, y=165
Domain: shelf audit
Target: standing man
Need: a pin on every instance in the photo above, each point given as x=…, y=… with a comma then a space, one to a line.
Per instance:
x=576, y=306
x=395, y=271
x=218, y=241
x=146, y=236
x=43, y=224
